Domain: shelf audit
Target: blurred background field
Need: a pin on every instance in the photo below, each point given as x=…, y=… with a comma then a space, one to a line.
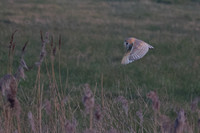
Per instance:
x=92, y=34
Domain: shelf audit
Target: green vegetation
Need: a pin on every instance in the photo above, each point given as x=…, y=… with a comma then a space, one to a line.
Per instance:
x=92, y=33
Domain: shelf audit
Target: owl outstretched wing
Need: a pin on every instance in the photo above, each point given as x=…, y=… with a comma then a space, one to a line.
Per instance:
x=139, y=49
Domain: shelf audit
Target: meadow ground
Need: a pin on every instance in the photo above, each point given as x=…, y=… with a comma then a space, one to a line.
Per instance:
x=92, y=33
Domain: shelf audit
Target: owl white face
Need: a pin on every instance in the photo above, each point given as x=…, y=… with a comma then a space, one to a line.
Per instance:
x=127, y=46
x=125, y=43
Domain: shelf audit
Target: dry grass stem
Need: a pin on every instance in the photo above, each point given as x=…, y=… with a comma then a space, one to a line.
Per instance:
x=199, y=125
x=156, y=106
x=141, y=117
x=38, y=79
x=32, y=122
x=43, y=49
x=102, y=95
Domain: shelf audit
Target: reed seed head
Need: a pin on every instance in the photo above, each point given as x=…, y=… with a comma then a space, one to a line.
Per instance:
x=165, y=123
x=125, y=104
x=112, y=130
x=70, y=127
x=180, y=122
x=8, y=85
x=141, y=117
x=98, y=112
x=88, y=98
x=194, y=104
x=155, y=99
x=89, y=131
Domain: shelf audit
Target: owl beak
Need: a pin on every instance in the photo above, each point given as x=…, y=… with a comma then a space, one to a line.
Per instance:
x=129, y=47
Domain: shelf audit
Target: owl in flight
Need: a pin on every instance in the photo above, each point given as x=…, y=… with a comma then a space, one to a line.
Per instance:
x=135, y=49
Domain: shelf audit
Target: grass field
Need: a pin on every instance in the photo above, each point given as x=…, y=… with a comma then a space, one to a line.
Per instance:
x=92, y=33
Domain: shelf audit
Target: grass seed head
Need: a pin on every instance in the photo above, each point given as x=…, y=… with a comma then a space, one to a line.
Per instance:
x=88, y=98
x=15, y=131
x=54, y=51
x=43, y=49
x=180, y=122
x=70, y=127
x=59, y=42
x=98, y=112
x=89, y=131
x=8, y=85
x=194, y=104
x=12, y=44
x=23, y=63
x=112, y=130
x=155, y=99
x=20, y=73
x=125, y=104
x=141, y=117
x=165, y=123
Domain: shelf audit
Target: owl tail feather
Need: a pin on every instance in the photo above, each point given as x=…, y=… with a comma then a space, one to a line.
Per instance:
x=125, y=60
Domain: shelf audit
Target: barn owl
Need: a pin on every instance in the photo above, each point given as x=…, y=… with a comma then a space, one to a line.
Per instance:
x=135, y=49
